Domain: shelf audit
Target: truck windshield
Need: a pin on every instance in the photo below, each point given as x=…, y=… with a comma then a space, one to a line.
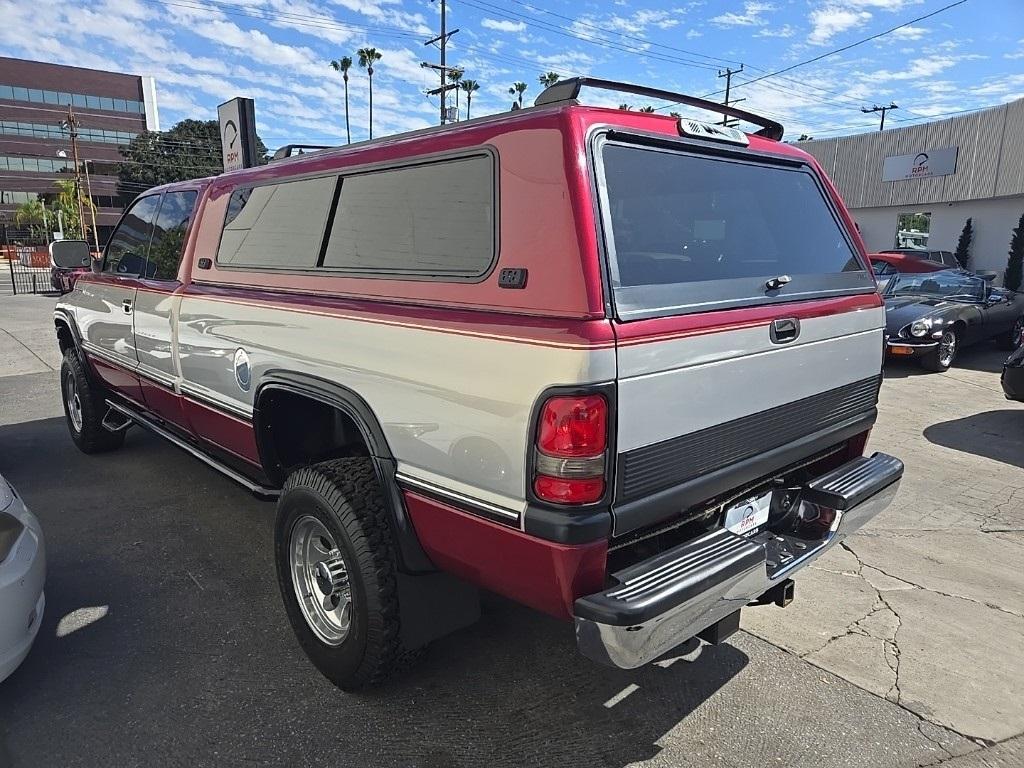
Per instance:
x=689, y=233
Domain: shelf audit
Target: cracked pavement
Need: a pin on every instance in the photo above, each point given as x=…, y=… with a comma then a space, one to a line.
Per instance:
x=924, y=607
x=901, y=648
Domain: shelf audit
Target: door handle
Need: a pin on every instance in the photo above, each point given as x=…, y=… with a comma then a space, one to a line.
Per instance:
x=126, y=305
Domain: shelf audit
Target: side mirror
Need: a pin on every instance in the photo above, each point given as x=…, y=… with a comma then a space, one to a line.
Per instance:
x=70, y=254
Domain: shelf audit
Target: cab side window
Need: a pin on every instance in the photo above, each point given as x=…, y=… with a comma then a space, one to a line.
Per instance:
x=169, y=232
x=126, y=250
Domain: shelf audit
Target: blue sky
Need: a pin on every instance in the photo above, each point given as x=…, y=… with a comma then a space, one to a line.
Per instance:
x=203, y=52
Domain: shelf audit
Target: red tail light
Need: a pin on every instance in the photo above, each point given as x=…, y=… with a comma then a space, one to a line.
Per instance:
x=572, y=440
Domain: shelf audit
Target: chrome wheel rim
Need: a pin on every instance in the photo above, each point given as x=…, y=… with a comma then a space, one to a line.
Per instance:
x=320, y=580
x=73, y=402
x=947, y=348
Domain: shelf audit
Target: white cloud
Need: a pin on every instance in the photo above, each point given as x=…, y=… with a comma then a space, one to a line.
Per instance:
x=910, y=33
x=751, y=16
x=503, y=26
x=831, y=20
x=784, y=31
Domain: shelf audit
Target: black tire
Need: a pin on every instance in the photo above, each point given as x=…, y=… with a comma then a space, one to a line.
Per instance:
x=1012, y=338
x=86, y=429
x=940, y=359
x=344, y=495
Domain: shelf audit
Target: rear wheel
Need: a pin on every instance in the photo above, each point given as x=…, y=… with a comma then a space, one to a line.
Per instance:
x=84, y=408
x=336, y=572
x=1014, y=338
x=944, y=354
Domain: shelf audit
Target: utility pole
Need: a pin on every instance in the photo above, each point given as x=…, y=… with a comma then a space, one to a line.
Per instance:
x=726, y=120
x=71, y=126
x=442, y=40
x=883, y=110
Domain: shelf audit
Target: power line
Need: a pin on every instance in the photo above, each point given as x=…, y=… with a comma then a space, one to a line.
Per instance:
x=847, y=47
x=300, y=20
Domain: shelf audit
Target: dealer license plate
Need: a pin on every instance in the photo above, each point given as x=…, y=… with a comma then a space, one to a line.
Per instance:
x=748, y=516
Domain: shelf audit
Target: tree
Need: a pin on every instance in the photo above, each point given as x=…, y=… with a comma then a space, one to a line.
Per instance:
x=31, y=215
x=366, y=58
x=470, y=87
x=65, y=204
x=676, y=115
x=1014, y=274
x=625, y=107
x=517, y=90
x=805, y=137
x=549, y=79
x=648, y=108
x=963, y=246
x=343, y=65
x=455, y=75
x=189, y=150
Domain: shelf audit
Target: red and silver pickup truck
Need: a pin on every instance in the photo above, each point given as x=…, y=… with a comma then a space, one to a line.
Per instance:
x=619, y=367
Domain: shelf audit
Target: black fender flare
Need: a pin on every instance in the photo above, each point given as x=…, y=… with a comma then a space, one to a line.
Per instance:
x=412, y=558
x=61, y=317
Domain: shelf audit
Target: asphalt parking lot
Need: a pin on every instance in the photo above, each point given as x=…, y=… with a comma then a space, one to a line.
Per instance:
x=165, y=642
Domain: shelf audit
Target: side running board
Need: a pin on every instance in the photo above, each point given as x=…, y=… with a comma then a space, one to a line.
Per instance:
x=143, y=421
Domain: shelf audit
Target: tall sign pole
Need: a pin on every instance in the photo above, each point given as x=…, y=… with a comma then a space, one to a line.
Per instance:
x=238, y=133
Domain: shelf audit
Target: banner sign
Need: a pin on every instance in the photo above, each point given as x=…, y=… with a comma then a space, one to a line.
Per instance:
x=922, y=165
x=238, y=133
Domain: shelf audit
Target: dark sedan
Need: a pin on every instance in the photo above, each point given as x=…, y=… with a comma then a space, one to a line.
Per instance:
x=931, y=316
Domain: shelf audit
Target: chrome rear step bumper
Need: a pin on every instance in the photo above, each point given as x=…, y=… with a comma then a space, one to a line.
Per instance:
x=661, y=602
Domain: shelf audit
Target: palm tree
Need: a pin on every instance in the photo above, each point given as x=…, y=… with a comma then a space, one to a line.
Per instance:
x=648, y=108
x=455, y=75
x=343, y=65
x=469, y=86
x=366, y=58
x=31, y=215
x=517, y=90
x=625, y=107
x=549, y=79
x=676, y=115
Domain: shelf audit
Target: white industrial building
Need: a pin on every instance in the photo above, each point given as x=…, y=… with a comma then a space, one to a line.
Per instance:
x=919, y=184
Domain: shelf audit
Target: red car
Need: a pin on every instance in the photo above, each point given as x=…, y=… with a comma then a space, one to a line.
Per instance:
x=885, y=265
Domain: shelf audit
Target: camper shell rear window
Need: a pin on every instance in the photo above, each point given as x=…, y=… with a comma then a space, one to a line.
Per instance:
x=689, y=231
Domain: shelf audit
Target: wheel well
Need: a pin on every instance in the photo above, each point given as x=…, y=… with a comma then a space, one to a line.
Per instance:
x=65, y=339
x=295, y=429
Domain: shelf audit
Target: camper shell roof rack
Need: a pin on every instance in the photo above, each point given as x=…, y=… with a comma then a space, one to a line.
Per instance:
x=569, y=90
x=294, y=150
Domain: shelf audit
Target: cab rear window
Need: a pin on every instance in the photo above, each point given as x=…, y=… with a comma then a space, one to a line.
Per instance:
x=688, y=233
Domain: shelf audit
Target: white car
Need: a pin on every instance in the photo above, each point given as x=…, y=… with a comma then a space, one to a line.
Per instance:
x=22, y=573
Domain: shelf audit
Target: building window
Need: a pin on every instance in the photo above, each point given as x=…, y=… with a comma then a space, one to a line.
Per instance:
x=37, y=96
x=45, y=131
x=912, y=230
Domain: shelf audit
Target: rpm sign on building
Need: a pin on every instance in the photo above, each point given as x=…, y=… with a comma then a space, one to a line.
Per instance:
x=920, y=165
x=238, y=133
